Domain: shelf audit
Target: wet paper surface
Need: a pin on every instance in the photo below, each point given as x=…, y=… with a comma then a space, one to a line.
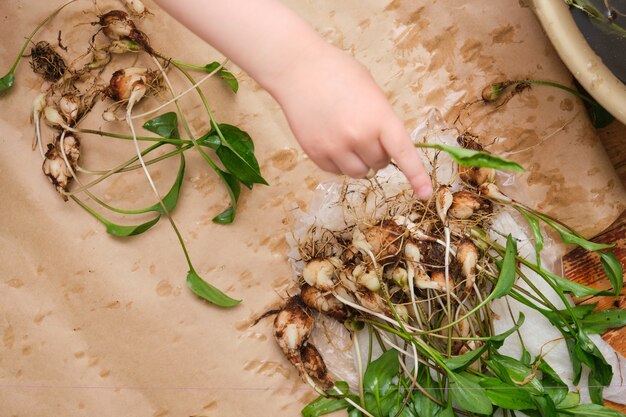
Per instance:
x=96, y=325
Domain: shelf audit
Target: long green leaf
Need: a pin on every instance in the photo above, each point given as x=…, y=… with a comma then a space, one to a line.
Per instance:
x=509, y=369
x=208, y=292
x=552, y=383
x=595, y=388
x=224, y=74
x=576, y=289
x=468, y=157
x=614, y=270
x=591, y=410
x=577, y=366
x=535, y=228
x=506, y=278
x=468, y=394
x=601, y=321
x=116, y=229
x=589, y=354
x=569, y=236
x=233, y=187
x=170, y=200
x=463, y=361
x=498, y=340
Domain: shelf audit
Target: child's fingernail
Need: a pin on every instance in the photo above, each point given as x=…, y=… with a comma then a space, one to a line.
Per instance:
x=424, y=192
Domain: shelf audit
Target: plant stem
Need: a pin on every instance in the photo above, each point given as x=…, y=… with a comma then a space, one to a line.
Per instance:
x=172, y=141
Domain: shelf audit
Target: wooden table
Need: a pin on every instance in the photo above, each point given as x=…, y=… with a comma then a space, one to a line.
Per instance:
x=585, y=267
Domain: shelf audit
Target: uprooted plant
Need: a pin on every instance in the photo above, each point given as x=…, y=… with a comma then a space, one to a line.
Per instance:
x=419, y=278
x=72, y=88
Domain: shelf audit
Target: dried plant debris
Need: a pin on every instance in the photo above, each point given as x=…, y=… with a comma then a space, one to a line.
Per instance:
x=46, y=62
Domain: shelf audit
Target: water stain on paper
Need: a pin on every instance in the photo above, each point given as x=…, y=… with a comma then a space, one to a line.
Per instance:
x=39, y=317
x=205, y=183
x=15, y=283
x=566, y=104
x=503, y=34
x=267, y=368
x=8, y=337
x=165, y=289
x=284, y=159
x=211, y=404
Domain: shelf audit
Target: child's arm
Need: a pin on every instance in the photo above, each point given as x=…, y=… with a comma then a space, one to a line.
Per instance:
x=338, y=114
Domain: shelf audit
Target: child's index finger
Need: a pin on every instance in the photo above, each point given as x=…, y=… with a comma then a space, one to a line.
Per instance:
x=400, y=148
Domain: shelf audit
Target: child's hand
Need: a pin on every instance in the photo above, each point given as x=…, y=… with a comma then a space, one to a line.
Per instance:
x=342, y=119
x=336, y=111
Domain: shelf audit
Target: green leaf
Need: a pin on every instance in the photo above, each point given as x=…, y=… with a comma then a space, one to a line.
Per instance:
x=124, y=231
x=380, y=373
x=323, y=405
x=353, y=412
x=210, y=140
x=535, y=228
x=171, y=198
x=572, y=237
x=592, y=410
x=509, y=369
x=590, y=355
x=233, y=187
x=116, y=229
x=165, y=125
x=208, y=292
x=600, y=117
x=506, y=278
x=613, y=269
x=577, y=367
x=398, y=410
x=560, y=318
x=333, y=401
x=545, y=406
x=507, y=396
x=7, y=81
x=224, y=74
x=572, y=399
x=498, y=340
x=446, y=412
x=237, y=154
x=468, y=157
x=225, y=217
x=468, y=394
x=601, y=321
x=463, y=361
x=578, y=290
x=422, y=405
x=595, y=389
x=552, y=383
